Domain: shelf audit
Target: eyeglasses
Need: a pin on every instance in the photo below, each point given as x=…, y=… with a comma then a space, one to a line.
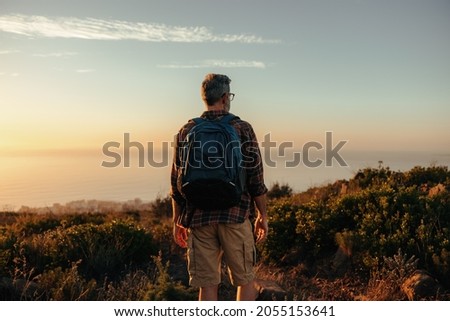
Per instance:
x=230, y=96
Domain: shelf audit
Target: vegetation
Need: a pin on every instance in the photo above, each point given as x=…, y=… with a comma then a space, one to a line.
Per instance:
x=367, y=220
x=350, y=240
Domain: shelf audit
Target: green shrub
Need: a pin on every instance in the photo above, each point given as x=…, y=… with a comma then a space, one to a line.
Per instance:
x=104, y=249
x=317, y=226
x=38, y=225
x=30, y=224
x=101, y=257
x=429, y=176
x=279, y=191
x=282, y=232
x=161, y=207
x=66, y=285
x=166, y=289
x=389, y=211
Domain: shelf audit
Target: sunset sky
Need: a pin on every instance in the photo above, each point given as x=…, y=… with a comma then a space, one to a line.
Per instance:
x=76, y=74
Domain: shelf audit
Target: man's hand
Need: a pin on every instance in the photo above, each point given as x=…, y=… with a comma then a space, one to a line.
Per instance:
x=180, y=235
x=261, y=228
x=261, y=225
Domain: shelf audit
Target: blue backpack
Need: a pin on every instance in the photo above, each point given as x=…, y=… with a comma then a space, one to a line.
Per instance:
x=212, y=175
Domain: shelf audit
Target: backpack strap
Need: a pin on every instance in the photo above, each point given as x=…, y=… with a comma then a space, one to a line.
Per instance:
x=198, y=120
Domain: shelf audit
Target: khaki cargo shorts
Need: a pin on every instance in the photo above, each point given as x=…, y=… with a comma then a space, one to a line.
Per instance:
x=207, y=245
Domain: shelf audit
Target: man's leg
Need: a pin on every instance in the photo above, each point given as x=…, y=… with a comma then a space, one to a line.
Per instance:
x=246, y=292
x=204, y=260
x=208, y=293
x=239, y=251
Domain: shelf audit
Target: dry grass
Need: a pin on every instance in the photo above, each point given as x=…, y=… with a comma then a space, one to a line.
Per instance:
x=300, y=285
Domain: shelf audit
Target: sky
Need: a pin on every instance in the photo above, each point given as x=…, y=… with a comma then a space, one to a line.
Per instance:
x=77, y=74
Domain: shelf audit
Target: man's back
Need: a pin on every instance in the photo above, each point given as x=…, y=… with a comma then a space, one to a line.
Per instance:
x=254, y=183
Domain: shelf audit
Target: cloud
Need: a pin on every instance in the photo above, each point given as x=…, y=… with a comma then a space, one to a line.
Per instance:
x=235, y=64
x=217, y=63
x=56, y=54
x=97, y=29
x=7, y=52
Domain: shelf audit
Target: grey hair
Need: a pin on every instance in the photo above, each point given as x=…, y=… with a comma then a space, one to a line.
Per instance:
x=213, y=88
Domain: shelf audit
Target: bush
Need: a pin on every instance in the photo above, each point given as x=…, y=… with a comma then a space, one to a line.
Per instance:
x=102, y=250
x=389, y=211
x=161, y=207
x=111, y=257
x=166, y=289
x=66, y=285
x=282, y=232
x=278, y=191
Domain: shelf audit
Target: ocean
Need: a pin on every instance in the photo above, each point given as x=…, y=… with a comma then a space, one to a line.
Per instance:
x=43, y=180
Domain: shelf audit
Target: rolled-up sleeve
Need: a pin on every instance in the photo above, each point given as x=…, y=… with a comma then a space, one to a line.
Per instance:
x=253, y=162
x=174, y=192
x=176, y=163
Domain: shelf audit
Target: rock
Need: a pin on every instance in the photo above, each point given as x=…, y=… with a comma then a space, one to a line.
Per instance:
x=341, y=261
x=292, y=257
x=269, y=291
x=19, y=289
x=420, y=286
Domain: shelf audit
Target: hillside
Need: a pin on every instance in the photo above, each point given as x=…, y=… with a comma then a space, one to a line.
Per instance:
x=369, y=238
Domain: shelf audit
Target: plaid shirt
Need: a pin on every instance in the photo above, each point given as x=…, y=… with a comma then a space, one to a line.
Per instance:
x=254, y=171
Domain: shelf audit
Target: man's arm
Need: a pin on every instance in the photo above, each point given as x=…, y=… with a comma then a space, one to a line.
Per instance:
x=255, y=182
x=179, y=232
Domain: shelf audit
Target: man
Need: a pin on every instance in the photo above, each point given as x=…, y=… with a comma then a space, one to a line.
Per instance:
x=211, y=234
